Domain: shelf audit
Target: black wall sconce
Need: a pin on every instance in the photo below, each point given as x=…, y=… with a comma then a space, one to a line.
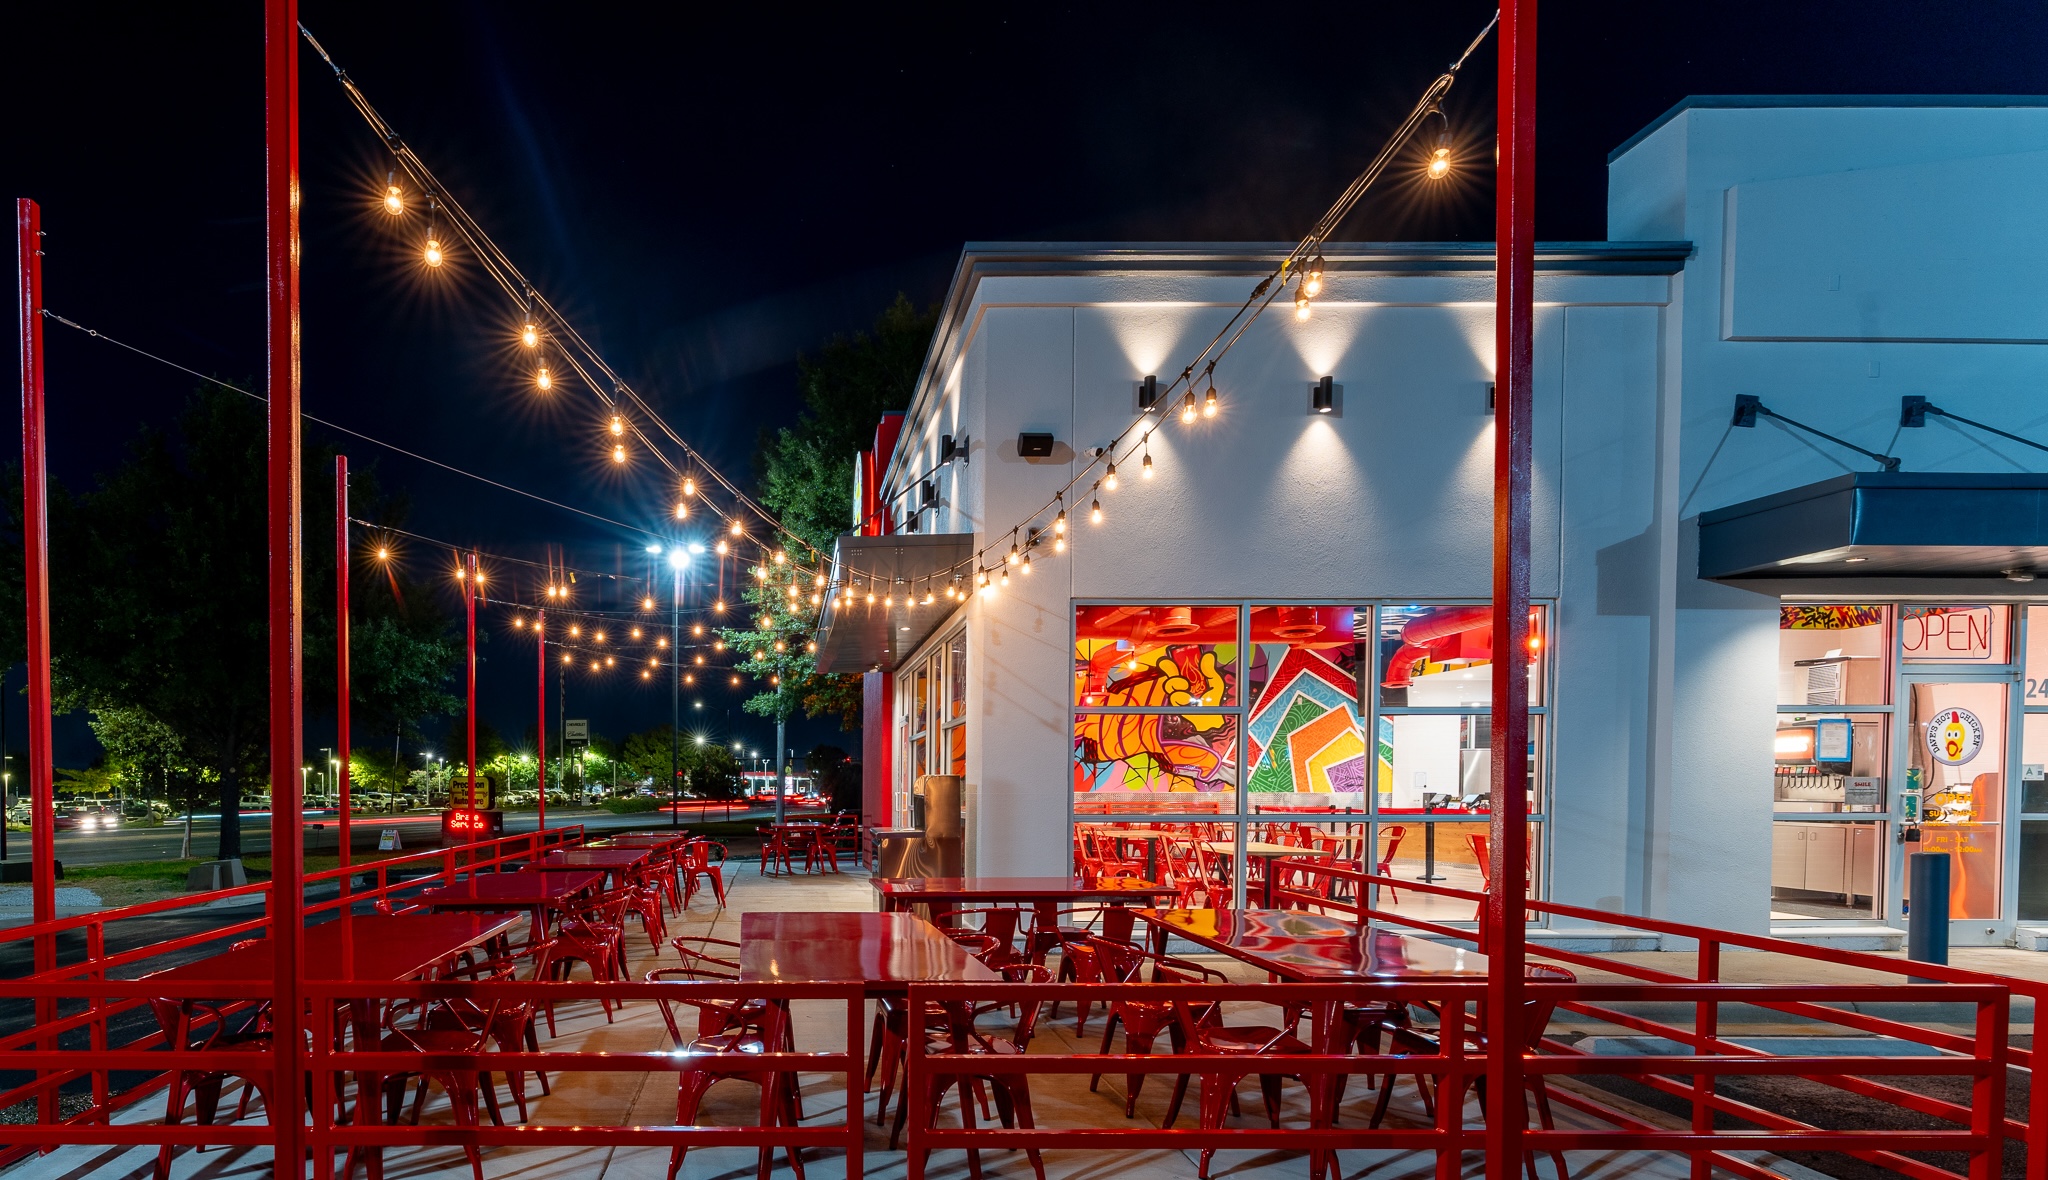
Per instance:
x=1148, y=394
x=1326, y=398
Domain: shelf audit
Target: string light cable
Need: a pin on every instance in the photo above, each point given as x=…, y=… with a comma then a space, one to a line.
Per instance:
x=1302, y=266
x=99, y=335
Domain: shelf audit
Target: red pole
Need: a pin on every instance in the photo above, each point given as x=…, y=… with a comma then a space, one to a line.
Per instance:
x=287, y=851
x=341, y=686
x=35, y=546
x=540, y=726
x=1514, y=273
x=36, y=564
x=469, y=607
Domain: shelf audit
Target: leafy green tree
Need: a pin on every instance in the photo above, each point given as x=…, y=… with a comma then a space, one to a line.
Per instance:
x=159, y=594
x=806, y=471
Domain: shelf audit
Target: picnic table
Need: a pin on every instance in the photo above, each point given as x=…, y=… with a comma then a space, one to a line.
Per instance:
x=538, y=894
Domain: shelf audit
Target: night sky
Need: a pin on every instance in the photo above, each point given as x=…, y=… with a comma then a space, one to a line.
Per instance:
x=710, y=191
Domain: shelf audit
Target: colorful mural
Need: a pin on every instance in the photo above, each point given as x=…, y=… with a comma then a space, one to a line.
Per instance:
x=1827, y=617
x=1170, y=656
x=1304, y=736
x=1155, y=752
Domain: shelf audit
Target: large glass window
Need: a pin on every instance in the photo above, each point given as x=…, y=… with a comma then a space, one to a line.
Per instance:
x=1210, y=741
x=1974, y=634
x=1831, y=758
x=931, y=731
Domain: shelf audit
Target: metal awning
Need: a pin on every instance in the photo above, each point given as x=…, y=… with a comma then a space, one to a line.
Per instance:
x=862, y=638
x=1884, y=525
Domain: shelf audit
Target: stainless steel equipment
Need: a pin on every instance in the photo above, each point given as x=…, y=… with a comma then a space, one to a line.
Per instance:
x=938, y=847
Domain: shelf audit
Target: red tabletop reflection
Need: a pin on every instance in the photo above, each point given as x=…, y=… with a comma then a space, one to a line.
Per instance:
x=654, y=840
x=898, y=893
x=509, y=890
x=567, y=859
x=1304, y=946
x=371, y=949
x=886, y=951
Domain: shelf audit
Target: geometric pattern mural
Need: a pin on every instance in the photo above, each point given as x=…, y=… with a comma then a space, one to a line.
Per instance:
x=1305, y=736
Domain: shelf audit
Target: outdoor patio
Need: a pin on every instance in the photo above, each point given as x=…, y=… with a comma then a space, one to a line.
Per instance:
x=631, y=1098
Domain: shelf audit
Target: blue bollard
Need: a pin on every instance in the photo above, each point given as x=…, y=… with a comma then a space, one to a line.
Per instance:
x=1927, y=920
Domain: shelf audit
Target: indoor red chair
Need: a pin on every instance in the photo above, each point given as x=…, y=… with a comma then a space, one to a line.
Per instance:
x=696, y=862
x=1481, y=852
x=718, y=1057
x=1385, y=867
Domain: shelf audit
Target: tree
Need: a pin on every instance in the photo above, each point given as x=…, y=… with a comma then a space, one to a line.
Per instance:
x=836, y=775
x=160, y=593
x=806, y=478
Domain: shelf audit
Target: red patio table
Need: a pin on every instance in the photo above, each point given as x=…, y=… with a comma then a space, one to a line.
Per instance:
x=1309, y=947
x=616, y=861
x=1044, y=893
x=655, y=840
x=887, y=952
x=539, y=894
x=370, y=949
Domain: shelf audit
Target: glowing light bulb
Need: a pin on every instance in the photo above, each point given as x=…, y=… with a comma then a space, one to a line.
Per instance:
x=645, y=604
x=811, y=646
x=530, y=335
x=661, y=641
x=817, y=599
x=719, y=606
x=1109, y=479
x=433, y=252
x=519, y=624
x=383, y=553
x=646, y=675
x=618, y=425
x=543, y=380
x=636, y=632
x=1095, y=512
x=1440, y=162
x=1313, y=285
x=1145, y=469
x=738, y=528
x=1012, y=558
x=1006, y=579
x=928, y=599
x=394, y=200
x=619, y=453
x=780, y=557
x=599, y=637
x=689, y=486
x=1059, y=544
x=682, y=510
x=1187, y=409
x=1024, y=567
x=1209, y=403
x=778, y=645
x=721, y=546
x=575, y=631
x=1059, y=524
x=1301, y=306
x=566, y=658
x=696, y=628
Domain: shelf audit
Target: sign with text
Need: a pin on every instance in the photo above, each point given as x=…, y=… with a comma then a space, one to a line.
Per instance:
x=1953, y=634
x=576, y=731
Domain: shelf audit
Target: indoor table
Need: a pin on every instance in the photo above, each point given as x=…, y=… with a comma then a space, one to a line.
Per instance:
x=1259, y=850
x=371, y=949
x=1151, y=837
x=539, y=894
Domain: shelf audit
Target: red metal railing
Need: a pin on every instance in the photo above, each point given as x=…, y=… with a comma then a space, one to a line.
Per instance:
x=93, y=980
x=1703, y=1037
x=1978, y=1136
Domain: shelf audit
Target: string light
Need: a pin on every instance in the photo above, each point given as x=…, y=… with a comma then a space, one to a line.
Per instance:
x=661, y=641
x=394, y=197
x=1209, y=401
x=739, y=528
x=566, y=658
x=519, y=624
x=721, y=547
x=432, y=254
x=696, y=628
x=1006, y=579
x=1024, y=567
x=1301, y=304
x=700, y=659
x=689, y=486
x=1012, y=558
x=636, y=632
x=599, y=637
x=811, y=646
x=1440, y=155
x=819, y=581
x=645, y=604
x=1059, y=544
x=383, y=554
x=574, y=631
x=1095, y=512
x=682, y=510
x=619, y=453
x=735, y=682
x=1187, y=409
x=719, y=606
x=1146, y=469
x=1108, y=481
x=780, y=557
x=688, y=678
x=1313, y=284
x=530, y=335
x=1059, y=523
x=618, y=425
x=543, y=380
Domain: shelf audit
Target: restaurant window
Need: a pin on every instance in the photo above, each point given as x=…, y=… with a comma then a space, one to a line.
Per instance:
x=1831, y=760
x=932, y=732
x=2033, y=776
x=1209, y=735
x=1979, y=633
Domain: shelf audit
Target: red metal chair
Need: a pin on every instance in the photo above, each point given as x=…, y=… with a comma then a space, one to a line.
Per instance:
x=695, y=863
x=1536, y=1020
x=775, y=849
x=174, y=1018
x=1142, y=1020
x=595, y=937
x=719, y=1057
x=643, y=901
x=1012, y=1090
x=1385, y=866
x=1203, y=1032
x=450, y=1031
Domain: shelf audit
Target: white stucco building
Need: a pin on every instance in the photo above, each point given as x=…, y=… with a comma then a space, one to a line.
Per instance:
x=1736, y=697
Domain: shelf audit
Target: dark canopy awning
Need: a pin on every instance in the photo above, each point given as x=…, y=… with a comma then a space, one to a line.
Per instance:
x=1884, y=524
x=900, y=567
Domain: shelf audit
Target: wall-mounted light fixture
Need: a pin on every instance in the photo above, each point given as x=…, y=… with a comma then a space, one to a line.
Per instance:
x=928, y=493
x=1326, y=398
x=951, y=448
x=1489, y=399
x=1148, y=394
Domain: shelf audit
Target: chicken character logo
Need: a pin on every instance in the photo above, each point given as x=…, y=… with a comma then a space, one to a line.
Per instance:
x=1954, y=736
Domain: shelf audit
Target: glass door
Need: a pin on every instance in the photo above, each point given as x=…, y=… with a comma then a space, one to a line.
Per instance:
x=1957, y=738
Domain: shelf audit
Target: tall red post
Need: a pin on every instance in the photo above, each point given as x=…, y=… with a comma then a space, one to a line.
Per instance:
x=341, y=685
x=287, y=852
x=540, y=722
x=469, y=608
x=1515, y=272
x=36, y=564
x=35, y=519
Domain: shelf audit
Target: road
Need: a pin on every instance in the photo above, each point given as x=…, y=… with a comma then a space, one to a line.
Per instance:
x=415, y=830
